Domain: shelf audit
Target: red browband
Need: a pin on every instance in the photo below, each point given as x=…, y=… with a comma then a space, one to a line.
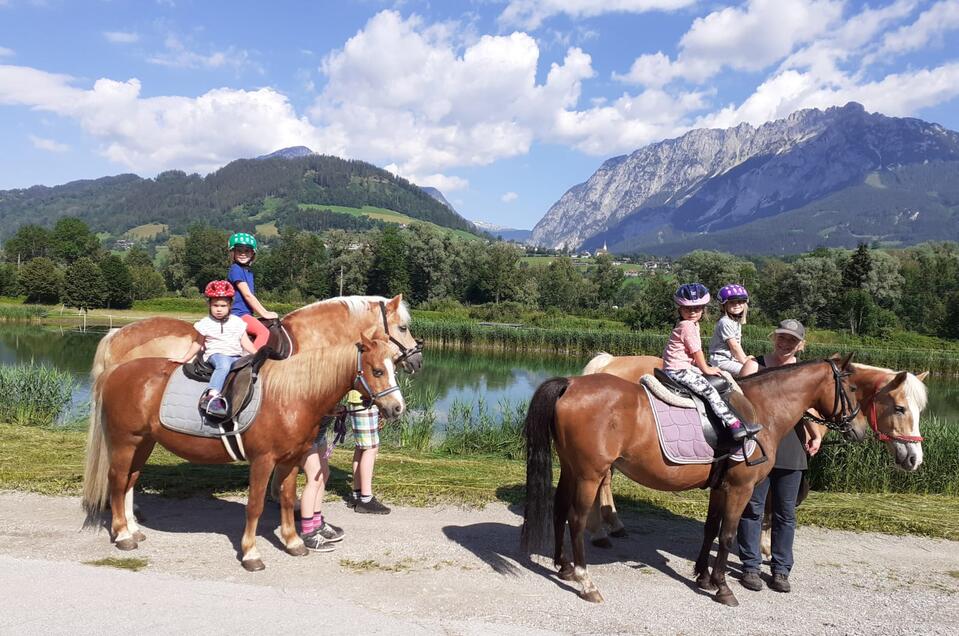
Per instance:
x=874, y=423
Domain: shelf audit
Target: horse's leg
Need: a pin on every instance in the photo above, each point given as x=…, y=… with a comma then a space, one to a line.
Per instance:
x=286, y=475
x=595, y=526
x=260, y=470
x=735, y=501
x=586, y=491
x=121, y=459
x=714, y=518
x=140, y=458
x=561, y=503
x=608, y=507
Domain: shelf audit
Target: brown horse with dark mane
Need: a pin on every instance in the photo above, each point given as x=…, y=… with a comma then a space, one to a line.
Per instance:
x=297, y=391
x=600, y=421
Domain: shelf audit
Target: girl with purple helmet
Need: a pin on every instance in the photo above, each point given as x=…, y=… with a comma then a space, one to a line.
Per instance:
x=683, y=358
x=725, y=348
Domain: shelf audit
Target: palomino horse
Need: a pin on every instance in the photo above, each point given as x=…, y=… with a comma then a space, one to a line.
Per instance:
x=599, y=421
x=296, y=393
x=893, y=401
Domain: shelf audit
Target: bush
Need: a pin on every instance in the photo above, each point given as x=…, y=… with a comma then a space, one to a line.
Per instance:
x=40, y=279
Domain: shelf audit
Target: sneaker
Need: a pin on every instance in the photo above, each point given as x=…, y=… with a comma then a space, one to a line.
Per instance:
x=218, y=406
x=751, y=581
x=738, y=431
x=351, y=500
x=205, y=400
x=780, y=582
x=330, y=532
x=371, y=507
x=317, y=543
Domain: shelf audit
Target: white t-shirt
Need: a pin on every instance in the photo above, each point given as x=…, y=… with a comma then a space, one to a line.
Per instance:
x=726, y=329
x=221, y=337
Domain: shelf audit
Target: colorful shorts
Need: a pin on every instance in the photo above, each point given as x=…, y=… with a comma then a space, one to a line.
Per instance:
x=366, y=427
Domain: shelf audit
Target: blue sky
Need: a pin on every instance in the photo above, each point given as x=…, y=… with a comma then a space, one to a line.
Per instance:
x=503, y=105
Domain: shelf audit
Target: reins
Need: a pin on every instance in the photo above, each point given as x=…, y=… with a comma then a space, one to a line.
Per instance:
x=842, y=412
x=405, y=352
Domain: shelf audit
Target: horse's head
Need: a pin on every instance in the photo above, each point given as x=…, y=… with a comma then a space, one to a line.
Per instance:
x=839, y=404
x=376, y=375
x=396, y=322
x=892, y=403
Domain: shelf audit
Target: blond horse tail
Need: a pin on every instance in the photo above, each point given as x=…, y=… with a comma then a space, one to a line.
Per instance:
x=598, y=363
x=96, y=470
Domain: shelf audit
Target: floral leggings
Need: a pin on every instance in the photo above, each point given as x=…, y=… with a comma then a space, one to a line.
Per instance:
x=695, y=382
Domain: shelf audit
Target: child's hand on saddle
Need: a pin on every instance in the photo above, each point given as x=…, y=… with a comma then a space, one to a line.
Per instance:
x=713, y=371
x=269, y=315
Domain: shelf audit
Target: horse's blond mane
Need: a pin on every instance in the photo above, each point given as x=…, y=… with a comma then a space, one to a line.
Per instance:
x=309, y=374
x=357, y=305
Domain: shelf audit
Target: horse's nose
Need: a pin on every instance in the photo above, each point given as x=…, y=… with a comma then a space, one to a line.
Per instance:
x=397, y=410
x=912, y=460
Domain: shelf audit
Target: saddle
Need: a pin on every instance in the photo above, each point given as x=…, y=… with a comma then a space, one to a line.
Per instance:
x=716, y=434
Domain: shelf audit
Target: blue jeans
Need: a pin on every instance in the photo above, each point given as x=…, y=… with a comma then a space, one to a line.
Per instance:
x=221, y=364
x=785, y=484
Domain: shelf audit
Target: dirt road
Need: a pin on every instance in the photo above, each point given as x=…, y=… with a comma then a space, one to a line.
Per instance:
x=441, y=570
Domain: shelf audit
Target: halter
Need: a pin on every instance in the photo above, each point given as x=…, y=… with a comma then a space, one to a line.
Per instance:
x=405, y=352
x=874, y=422
x=364, y=385
x=842, y=412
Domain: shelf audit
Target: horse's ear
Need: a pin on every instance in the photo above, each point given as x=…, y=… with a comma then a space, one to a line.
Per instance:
x=922, y=376
x=395, y=302
x=897, y=381
x=368, y=334
x=845, y=361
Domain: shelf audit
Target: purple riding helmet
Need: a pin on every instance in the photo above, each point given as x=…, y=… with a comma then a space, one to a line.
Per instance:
x=732, y=292
x=691, y=295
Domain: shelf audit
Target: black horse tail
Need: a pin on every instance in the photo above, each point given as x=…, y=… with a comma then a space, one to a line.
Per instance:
x=537, y=514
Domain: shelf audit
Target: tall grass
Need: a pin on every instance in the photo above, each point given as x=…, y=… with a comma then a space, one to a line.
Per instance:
x=33, y=395
x=473, y=429
x=414, y=429
x=22, y=312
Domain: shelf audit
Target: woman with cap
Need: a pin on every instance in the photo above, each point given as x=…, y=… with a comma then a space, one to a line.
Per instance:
x=792, y=460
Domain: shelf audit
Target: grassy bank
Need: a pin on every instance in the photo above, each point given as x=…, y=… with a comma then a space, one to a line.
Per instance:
x=51, y=462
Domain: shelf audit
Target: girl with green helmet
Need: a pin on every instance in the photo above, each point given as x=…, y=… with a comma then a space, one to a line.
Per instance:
x=242, y=252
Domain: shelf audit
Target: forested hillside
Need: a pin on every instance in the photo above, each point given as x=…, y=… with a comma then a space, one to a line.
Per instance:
x=238, y=196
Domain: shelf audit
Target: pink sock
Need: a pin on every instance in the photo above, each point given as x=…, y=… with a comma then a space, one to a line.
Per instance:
x=307, y=525
x=318, y=520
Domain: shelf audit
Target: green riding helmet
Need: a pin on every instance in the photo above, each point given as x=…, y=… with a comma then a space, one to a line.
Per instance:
x=242, y=238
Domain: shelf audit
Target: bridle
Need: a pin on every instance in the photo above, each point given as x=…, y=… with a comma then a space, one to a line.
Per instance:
x=364, y=385
x=842, y=411
x=405, y=352
x=874, y=422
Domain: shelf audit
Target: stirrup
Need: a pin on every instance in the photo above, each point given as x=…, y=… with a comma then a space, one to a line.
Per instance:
x=218, y=406
x=762, y=459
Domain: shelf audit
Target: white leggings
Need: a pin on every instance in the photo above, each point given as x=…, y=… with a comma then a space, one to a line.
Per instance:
x=695, y=382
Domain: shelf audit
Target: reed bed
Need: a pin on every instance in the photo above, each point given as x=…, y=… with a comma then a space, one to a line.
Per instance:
x=14, y=313
x=477, y=430
x=34, y=395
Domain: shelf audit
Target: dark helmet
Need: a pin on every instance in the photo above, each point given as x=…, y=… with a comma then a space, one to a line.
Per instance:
x=691, y=295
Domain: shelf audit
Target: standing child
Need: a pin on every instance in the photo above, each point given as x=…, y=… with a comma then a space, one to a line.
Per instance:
x=224, y=340
x=366, y=436
x=318, y=534
x=725, y=348
x=242, y=252
x=683, y=359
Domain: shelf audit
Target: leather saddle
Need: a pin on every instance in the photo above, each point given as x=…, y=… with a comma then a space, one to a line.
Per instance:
x=716, y=433
x=238, y=388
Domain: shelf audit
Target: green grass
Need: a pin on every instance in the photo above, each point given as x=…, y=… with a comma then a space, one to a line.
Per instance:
x=380, y=214
x=33, y=395
x=267, y=230
x=147, y=231
x=22, y=312
x=51, y=462
x=132, y=564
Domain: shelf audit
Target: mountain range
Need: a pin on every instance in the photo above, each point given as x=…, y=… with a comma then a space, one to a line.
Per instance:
x=833, y=177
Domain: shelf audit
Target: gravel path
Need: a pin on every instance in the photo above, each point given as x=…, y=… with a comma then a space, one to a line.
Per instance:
x=441, y=570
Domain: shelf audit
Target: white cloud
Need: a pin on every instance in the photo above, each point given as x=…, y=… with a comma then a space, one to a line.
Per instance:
x=931, y=25
x=5, y=52
x=509, y=197
x=178, y=55
x=121, y=37
x=530, y=14
x=48, y=144
x=746, y=38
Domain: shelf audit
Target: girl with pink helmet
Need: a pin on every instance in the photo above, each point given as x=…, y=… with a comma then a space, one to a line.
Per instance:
x=725, y=348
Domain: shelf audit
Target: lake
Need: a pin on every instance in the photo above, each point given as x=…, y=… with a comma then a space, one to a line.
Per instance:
x=452, y=375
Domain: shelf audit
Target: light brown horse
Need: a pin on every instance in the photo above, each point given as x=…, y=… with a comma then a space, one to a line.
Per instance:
x=296, y=393
x=893, y=400
x=599, y=421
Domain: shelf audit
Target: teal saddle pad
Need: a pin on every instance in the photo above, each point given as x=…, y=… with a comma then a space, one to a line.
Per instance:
x=179, y=410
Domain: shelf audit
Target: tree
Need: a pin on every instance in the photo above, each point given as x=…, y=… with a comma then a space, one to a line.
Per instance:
x=654, y=307
x=83, y=285
x=296, y=261
x=561, y=285
x=351, y=258
x=814, y=288
x=205, y=255
x=136, y=256
x=607, y=279
x=71, y=239
x=8, y=279
x=118, y=283
x=856, y=270
x=884, y=282
x=30, y=241
x=431, y=256
x=389, y=274
x=715, y=269
x=40, y=279
x=147, y=283
x=497, y=272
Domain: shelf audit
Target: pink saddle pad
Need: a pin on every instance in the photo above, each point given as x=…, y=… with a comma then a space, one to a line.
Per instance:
x=681, y=434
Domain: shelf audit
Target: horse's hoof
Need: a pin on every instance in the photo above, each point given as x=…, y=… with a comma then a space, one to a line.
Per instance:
x=127, y=544
x=253, y=565
x=139, y=536
x=602, y=542
x=619, y=534
x=593, y=596
x=728, y=599
x=297, y=550
x=566, y=573
x=704, y=583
